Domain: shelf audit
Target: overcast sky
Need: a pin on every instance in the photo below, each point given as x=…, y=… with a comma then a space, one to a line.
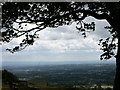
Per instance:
x=62, y=44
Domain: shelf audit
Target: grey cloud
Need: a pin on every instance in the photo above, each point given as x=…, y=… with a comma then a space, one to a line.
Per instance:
x=100, y=31
x=64, y=33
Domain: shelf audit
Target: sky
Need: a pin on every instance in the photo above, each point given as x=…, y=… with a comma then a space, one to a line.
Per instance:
x=60, y=45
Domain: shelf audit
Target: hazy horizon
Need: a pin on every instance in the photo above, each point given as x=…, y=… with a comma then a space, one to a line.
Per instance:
x=15, y=63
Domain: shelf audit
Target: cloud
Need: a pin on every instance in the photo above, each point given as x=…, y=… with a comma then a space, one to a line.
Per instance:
x=61, y=43
x=100, y=31
x=67, y=38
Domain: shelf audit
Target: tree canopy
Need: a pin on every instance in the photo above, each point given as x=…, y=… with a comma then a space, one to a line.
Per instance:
x=17, y=15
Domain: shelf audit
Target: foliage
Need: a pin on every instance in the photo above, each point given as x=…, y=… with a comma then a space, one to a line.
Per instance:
x=9, y=78
x=52, y=15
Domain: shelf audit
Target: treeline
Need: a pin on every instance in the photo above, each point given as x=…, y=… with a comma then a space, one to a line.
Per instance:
x=11, y=82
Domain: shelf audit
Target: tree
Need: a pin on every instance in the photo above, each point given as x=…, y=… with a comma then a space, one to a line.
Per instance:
x=9, y=78
x=53, y=15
